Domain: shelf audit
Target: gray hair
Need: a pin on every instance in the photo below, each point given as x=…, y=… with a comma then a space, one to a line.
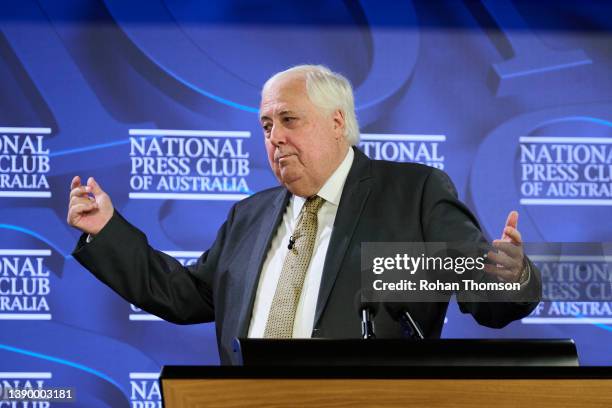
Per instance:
x=329, y=91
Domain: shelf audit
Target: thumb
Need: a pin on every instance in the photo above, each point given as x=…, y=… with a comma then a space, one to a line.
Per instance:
x=511, y=221
x=94, y=186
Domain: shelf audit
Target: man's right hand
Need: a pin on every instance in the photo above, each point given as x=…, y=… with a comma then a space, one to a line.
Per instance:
x=90, y=208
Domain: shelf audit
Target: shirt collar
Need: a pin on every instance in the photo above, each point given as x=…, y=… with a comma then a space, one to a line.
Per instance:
x=332, y=189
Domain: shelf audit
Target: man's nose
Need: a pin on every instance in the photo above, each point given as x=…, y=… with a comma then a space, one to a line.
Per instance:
x=277, y=136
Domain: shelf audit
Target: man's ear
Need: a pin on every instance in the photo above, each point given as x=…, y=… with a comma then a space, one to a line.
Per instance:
x=339, y=123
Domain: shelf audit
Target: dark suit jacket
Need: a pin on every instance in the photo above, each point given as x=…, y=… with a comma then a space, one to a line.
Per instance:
x=381, y=202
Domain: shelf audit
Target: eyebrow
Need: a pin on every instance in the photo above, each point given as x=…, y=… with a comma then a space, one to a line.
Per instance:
x=281, y=113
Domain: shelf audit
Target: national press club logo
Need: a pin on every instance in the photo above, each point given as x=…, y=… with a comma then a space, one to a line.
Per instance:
x=579, y=288
x=569, y=171
x=185, y=258
x=555, y=166
x=144, y=390
x=25, y=284
x=189, y=164
x=19, y=380
x=424, y=149
x=566, y=170
x=24, y=162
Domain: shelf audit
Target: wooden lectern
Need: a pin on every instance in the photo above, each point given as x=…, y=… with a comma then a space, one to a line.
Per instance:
x=552, y=383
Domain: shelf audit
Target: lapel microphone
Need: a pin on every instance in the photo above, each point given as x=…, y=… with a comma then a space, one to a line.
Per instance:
x=291, y=243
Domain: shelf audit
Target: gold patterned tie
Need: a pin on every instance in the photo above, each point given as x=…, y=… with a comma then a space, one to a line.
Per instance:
x=291, y=280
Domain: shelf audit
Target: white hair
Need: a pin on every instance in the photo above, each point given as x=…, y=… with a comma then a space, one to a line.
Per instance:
x=329, y=91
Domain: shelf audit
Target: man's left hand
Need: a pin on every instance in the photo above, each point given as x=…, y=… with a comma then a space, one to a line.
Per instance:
x=508, y=262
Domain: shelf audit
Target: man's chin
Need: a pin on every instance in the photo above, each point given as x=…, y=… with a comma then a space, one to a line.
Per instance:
x=300, y=188
x=290, y=182
x=287, y=177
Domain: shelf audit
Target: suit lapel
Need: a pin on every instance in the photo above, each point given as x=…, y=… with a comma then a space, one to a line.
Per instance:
x=353, y=199
x=269, y=224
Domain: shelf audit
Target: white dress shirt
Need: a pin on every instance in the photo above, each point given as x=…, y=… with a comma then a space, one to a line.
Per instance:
x=304, y=316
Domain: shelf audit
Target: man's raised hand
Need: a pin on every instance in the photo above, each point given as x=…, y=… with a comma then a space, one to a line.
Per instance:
x=509, y=261
x=90, y=208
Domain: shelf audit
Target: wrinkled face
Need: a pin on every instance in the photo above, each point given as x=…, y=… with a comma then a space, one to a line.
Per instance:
x=304, y=144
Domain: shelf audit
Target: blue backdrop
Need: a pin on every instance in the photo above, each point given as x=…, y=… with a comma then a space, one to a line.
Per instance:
x=158, y=100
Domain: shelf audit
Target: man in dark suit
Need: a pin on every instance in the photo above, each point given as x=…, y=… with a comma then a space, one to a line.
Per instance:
x=286, y=263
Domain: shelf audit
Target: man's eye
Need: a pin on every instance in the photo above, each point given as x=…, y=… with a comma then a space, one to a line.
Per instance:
x=267, y=127
x=289, y=119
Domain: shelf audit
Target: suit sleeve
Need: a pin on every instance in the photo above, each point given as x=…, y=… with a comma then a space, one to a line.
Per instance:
x=121, y=257
x=446, y=219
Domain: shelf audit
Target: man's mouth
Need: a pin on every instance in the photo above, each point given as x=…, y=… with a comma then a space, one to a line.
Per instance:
x=280, y=157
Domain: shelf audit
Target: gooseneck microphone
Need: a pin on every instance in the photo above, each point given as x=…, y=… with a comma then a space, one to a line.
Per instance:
x=366, y=310
x=399, y=312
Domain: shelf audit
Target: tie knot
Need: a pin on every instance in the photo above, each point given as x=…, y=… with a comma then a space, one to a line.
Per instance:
x=313, y=204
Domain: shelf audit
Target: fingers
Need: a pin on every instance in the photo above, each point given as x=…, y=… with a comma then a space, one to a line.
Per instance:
x=504, y=260
x=512, y=222
x=505, y=274
x=81, y=203
x=94, y=186
x=78, y=190
x=512, y=235
x=514, y=250
x=76, y=181
x=79, y=209
x=507, y=262
x=84, y=207
x=80, y=200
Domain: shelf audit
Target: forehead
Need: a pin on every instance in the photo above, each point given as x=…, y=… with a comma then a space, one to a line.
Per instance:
x=284, y=94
